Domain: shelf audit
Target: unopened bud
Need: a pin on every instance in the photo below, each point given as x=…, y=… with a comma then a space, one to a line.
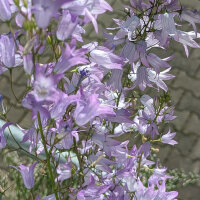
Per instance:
x=49, y=40
x=127, y=10
x=144, y=139
x=156, y=150
x=58, y=51
x=1, y=190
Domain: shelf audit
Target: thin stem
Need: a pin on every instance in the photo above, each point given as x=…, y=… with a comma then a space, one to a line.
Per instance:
x=47, y=157
x=11, y=86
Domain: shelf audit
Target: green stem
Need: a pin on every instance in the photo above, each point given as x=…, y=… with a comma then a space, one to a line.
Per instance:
x=47, y=156
x=11, y=86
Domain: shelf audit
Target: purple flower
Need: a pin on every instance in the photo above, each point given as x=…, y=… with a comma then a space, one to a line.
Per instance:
x=142, y=79
x=64, y=171
x=44, y=87
x=131, y=24
x=186, y=38
x=115, y=79
x=2, y=137
x=129, y=52
x=27, y=174
x=158, y=175
x=7, y=50
x=28, y=63
x=69, y=58
x=190, y=17
x=45, y=10
x=49, y=197
x=5, y=11
x=88, y=107
x=168, y=27
x=30, y=102
x=90, y=9
x=103, y=56
x=158, y=78
x=168, y=138
x=152, y=130
x=157, y=62
x=66, y=26
x=143, y=193
x=93, y=191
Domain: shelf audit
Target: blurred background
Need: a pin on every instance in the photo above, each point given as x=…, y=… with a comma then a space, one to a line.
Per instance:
x=184, y=89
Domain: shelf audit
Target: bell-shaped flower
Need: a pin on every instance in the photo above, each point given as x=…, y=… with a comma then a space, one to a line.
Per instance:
x=158, y=78
x=158, y=175
x=7, y=50
x=129, y=52
x=187, y=39
x=66, y=26
x=168, y=138
x=45, y=10
x=45, y=83
x=152, y=130
x=49, y=197
x=160, y=193
x=103, y=56
x=130, y=25
x=5, y=11
x=141, y=79
x=93, y=190
x=2, y=137
x=28, y=63
x=77, y=33
x=90, y=9
x=115, y=80
x=70, y=57
x=105, y=142
x=27, y=174
x=30, y=102
x=88, y=107
x=157, y=62
x=44, y=88
x=63, y=171
x=192, y=17
x=168, y=27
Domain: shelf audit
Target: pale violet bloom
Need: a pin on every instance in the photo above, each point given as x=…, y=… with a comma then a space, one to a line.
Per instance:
x=5, y=11
x=131, y=23
x=7, y=50
x=90, y=9
x=66, y=26
x=129, y=26
x=2, y=137
x=103, y=56
x=45, y=10
x=28, y=63
x=168, y=27
x=191, y=17
x=158, y=78
x=64, y=171
x=115, y=79
x=168, y=138
x=49, y=197
x=187, y=39
x=27, y=174
x=89, y=108
x=140, y=77
x=157, y=62
x=44, y=87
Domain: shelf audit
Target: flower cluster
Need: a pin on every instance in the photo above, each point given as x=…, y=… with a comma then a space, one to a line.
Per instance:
x=84, y=98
